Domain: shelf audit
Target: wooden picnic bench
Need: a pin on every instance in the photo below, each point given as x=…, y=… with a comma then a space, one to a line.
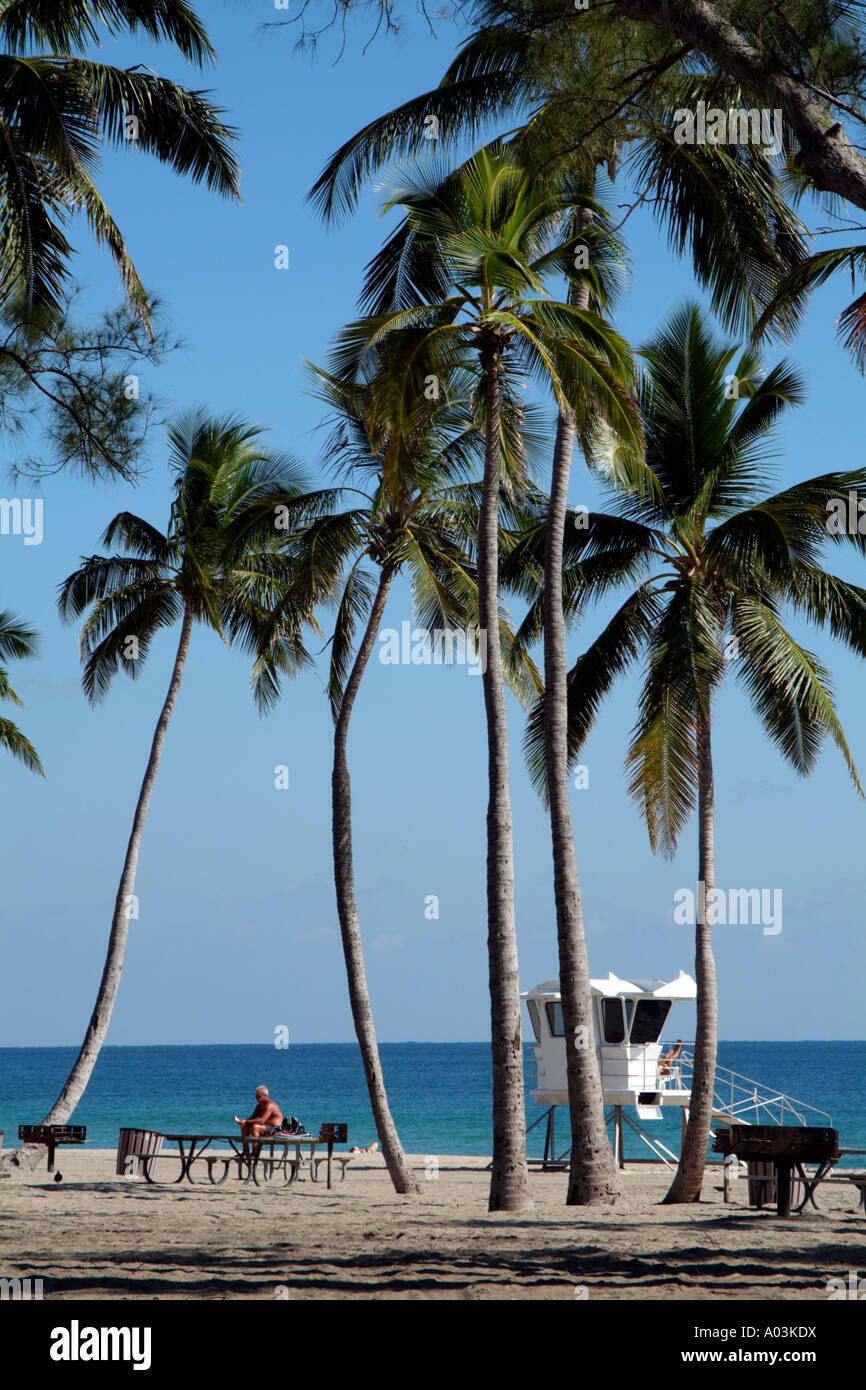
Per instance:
x=214, y=1160
x=140, y=1151
x=855, y=1176
x=343, y=1159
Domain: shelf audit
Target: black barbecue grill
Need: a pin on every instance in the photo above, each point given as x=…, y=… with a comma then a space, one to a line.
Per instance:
x=52, y=1135
x=787, y=1147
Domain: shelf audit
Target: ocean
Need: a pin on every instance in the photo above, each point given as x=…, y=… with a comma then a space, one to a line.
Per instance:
x=439, y=1092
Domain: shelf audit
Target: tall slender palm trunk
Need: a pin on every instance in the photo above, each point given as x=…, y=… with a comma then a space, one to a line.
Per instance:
x=78, y=1078
x=347, y=909
x=509, y=1189
x=592, y=1172
x=686, y=1186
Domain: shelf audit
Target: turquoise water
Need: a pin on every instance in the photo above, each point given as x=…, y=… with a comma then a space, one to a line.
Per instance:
x=439, y=1092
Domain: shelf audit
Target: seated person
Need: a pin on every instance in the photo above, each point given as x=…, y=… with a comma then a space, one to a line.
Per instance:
x=670, y=1056
x=267, y=1118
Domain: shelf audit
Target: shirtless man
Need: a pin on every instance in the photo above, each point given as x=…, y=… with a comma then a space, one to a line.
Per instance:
x=265, y=1119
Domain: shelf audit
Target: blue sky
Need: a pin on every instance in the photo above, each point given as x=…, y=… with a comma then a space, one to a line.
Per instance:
x=237, y=932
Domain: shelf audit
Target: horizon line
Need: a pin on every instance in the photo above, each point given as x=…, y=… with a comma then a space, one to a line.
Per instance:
x=351, y=1042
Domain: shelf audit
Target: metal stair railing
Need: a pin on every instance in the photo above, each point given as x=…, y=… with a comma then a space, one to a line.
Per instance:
x=741, y=1100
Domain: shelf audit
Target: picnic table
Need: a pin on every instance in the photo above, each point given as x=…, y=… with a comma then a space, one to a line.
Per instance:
x=247, y=1154
x=830, y=1173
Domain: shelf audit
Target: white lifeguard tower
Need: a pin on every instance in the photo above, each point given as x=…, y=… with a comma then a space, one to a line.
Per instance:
x=628, y=1018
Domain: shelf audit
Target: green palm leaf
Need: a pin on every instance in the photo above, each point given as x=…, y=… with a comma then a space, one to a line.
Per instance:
x=18, y=642
x=792, y=295
x=57, y=108
x=12, y=739
x=683, y=666
x=64, y=24
x=789, y=688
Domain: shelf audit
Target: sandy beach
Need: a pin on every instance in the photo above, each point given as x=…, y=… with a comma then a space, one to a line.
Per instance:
x=98, y=1236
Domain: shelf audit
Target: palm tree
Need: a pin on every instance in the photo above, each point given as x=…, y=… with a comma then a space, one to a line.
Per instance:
x=57, y=107
x=216, y=564
x=17, y=642
x=462, y=278
x=712, y=560
x=591, y=1171
x=726, y=207
x=418, y=516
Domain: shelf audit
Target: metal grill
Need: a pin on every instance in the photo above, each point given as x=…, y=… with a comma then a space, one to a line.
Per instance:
x=787, y=1148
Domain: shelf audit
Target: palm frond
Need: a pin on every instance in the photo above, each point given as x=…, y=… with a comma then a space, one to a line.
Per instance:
x=118, y=632
x=684, y=666
x=18, y=640
x=12, y=739
x=789, y=687
x=64, y=25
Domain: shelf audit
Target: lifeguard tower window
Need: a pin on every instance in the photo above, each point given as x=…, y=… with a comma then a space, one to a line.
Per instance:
x=613, y=1020
x=532, y=1010
x=555, y=1021
x=649, y=1019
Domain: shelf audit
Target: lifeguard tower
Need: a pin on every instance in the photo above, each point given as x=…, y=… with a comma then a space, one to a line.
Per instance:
x=628, y=1019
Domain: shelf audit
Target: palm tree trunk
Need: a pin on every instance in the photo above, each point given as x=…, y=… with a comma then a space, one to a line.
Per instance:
x=686, y=1186
x=509, y=1189
x=592, y=1172
x=347, y=908
x=78, y=1078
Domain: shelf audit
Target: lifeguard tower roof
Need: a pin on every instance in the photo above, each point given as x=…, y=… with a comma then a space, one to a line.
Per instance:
x=683, y=987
